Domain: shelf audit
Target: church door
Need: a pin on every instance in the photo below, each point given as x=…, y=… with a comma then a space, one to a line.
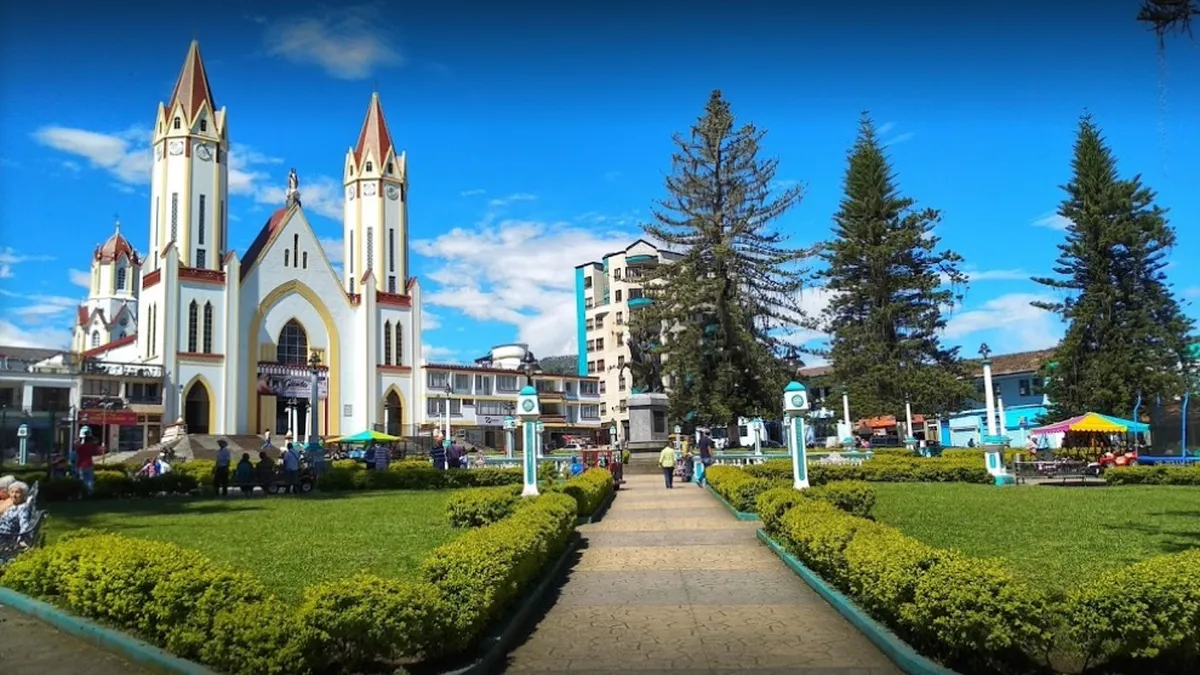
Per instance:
x=195, y=409
x=393, y=415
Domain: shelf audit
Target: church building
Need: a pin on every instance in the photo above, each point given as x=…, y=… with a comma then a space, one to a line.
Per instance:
x=238, y=336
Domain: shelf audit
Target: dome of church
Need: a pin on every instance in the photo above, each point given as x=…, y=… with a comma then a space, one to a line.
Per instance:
x=116, y=246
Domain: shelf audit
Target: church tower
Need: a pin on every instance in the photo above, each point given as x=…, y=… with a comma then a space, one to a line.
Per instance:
x=190, y=178
x=110, y=311
x=375, y=218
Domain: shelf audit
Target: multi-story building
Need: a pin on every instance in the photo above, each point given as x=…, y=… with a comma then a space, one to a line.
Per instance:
x=1017, y=385
x=39, y=388
x=110, y=311
x=607, y=292
x=473, y=400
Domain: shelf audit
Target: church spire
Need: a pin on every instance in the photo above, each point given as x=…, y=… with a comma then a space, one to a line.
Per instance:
x=191, y=89
x=374, y=136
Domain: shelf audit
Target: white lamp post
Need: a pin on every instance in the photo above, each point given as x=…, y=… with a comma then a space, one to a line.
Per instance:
x=528, y=410
x=910, y=440
x=993, y=443
x=795, y=405
x=446, y=413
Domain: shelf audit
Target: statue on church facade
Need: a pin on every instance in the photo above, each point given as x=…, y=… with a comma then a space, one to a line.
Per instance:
x=293, y=189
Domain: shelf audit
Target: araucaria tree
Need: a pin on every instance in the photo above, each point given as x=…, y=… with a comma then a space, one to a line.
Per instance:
x=723, y=308
x=890, y=286
x=1125, y=332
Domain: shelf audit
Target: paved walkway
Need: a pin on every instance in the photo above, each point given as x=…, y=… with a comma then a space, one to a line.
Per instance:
x=669, y=581
x=30, y=647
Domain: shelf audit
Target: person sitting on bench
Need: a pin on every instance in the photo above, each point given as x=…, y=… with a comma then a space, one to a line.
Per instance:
x=243, y=475
x=16, y=520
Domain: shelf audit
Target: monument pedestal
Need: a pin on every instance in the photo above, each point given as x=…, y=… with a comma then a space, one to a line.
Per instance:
x=648, y=430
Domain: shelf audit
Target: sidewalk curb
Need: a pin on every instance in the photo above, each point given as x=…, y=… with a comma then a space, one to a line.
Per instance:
x=900, y=652
x=740, y=515
x=141, y=653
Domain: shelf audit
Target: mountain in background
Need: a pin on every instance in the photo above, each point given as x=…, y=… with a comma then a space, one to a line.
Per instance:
x=560, y=365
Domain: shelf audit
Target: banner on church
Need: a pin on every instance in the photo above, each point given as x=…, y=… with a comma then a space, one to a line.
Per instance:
x=289, y=382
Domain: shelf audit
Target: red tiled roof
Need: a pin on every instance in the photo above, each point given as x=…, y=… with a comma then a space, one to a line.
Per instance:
x=273, y=224
x=94, y=351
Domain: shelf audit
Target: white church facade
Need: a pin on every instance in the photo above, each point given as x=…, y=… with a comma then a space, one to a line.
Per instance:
x=236, y=336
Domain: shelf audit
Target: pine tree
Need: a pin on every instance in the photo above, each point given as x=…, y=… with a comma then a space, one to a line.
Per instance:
x=1168, y=16
x=723, y=307
x=889, y=288
x=1126, y=332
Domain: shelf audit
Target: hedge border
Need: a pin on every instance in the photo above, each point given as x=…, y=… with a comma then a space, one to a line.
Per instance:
x=600, y=510
x=740, y=515
x=135, y=650
x=898, y=651
x=495, y=644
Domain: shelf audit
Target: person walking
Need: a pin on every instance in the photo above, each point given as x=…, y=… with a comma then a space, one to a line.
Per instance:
x=85, y=458
x=221, y=470
x=705, y=446
x=437, y=454
x=666, y=460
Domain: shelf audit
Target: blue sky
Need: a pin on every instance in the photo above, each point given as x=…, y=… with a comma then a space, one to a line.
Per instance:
x=538, y=137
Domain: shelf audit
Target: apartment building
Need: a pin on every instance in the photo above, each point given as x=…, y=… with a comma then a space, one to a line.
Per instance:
x=478, y=396
x=607, y=292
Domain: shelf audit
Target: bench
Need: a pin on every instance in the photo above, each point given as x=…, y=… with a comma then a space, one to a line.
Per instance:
x=1050, y=470
x=11, y=545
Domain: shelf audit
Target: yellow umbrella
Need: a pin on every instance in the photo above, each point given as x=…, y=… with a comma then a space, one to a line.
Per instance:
x=1097, y=423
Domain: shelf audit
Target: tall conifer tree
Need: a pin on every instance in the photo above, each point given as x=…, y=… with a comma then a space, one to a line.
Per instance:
x=890, y=285
x=723, y=307
x=1126, y=333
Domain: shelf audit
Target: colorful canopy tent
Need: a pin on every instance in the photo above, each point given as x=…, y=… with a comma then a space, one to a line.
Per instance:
x=1092, y=422
x=364, y=437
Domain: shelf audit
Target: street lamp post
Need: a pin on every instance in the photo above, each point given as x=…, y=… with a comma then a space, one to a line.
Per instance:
x=449, y=392
x=795, y=405
x=993, y=443
x=530, y=366
x=316, y=452
x=510, y=431
x=529, y=411
x=179, y=405
x=910, y=439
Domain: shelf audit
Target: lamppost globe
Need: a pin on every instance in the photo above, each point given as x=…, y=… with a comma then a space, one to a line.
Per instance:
x=314, y=362
x=984, y=350
x=794, y=360
x=530, y=366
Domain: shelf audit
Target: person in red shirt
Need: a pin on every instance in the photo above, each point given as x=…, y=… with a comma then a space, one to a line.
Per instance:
x=85, y=454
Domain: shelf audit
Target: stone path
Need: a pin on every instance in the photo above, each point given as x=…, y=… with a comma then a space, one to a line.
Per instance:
x=30, y=647
x=668, y=581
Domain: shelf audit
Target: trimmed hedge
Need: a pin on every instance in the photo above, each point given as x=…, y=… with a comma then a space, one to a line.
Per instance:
x=483, y=506
x=1159, y=474
x=977, y=616
x=740, y=487
x=210, y=613
x=477, y=507
x=589, y=490
x=884, y=469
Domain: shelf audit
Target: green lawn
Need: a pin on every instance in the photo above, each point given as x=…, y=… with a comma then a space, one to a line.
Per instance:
x=289, y=542
x=1056, y=536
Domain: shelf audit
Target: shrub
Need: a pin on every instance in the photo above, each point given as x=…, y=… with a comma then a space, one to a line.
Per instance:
x=1143, y=618
x=477, y=507
x=261, y=638
x=414, y=475
x=974, y=615
x=59, y=489
x=741, y=488
x=167, y=594
x=481, y=572
x=772, y=504
x=199, y=470
x=364, y=620
x=112, y=484
x=852, y=496
x=1159, y=474
x=589, y=490
x=884, y=469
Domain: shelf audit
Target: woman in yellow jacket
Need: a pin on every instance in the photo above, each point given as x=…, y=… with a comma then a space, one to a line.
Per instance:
x=666, y=460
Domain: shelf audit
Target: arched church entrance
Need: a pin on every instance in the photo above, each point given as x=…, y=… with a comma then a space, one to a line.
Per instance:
x=196, y=405
x=292, y=399
x=393, y=415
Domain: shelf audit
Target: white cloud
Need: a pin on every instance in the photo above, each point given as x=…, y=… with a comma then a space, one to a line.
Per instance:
x=1192, y=291
x=885, y=128
x=348, y=44
x=12, y=335
x=430, y=321
x=472, y=193
x=517, y=272
x=510, y=199
x=127, y=157
x=899, y=138
x=125, y=154
x=1053, y=221
x=998, y=275
x=432, y=354
x=9, y=259
x=80, y=278
x=1022, y=326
